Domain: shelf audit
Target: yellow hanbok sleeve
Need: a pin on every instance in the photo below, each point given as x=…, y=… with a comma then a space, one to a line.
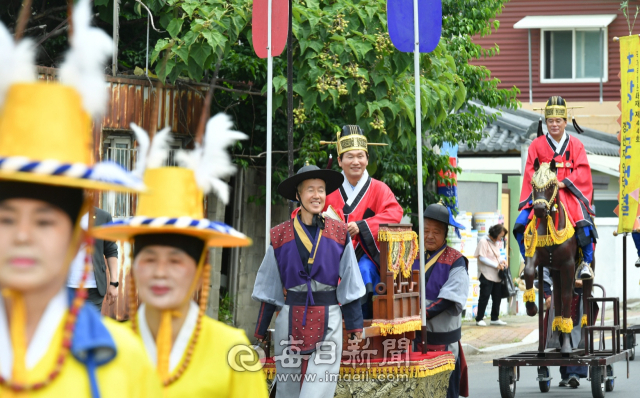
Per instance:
x=133, y=359
x=247, y=384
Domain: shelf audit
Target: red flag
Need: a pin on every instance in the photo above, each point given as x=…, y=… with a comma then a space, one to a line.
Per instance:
x=279, y=22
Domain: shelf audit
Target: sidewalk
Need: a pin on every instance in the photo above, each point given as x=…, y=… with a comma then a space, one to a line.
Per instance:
x=520, y=330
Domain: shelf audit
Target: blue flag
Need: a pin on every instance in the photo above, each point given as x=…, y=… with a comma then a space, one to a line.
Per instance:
x=400, y=24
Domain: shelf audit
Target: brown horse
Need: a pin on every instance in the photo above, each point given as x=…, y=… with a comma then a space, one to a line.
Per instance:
x=556, y=247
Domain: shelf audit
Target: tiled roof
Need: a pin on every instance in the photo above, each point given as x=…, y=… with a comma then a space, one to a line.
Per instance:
x=506, y=135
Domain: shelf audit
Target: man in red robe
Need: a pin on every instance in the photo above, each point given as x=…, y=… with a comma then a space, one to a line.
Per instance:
x=574, y=176
x=364, y=203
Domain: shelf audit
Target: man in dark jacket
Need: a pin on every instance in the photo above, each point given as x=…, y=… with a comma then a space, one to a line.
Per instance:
x=96, y=282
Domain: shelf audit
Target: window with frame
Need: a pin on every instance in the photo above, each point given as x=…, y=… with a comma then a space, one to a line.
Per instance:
x=574, y=55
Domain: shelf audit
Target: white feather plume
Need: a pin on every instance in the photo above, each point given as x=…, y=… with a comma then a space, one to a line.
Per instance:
x=151, y=154
x=211, y=162
x=83, y=67
x=160, y=147
x=17, y=62
x=143, y=148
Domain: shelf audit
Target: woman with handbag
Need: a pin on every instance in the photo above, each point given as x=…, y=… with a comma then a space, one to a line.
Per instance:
x=489, y=266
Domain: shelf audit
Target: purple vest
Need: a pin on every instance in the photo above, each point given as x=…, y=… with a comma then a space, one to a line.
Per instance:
x=326, y=266
x=438, y=274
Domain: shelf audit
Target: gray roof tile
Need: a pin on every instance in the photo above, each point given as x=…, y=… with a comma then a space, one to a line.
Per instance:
x=514, y=128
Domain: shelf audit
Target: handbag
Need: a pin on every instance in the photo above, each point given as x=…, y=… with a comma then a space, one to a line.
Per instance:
x=508, y=289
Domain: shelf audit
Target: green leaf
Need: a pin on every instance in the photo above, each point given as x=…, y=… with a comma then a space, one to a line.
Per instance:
x=189, y=8
x=316, y=45
x=279, y=82
x=303, y=45
x=360, y=48
x=215, y=39
x=199, y=53
x=182, y=52
x=337, y=38
x=360, y=108
x=336, y=48
x=309, y=100
x=194, y=69
x=100, y=2
x=175, y=26
x=372, y=107
x=162, y=71
x=189, y=38
x=300, y=88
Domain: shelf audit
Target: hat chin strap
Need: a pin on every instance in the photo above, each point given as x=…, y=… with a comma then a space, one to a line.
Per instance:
x=314, y=220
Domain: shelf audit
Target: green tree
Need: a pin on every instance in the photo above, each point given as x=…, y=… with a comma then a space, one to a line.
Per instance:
x=346, y=71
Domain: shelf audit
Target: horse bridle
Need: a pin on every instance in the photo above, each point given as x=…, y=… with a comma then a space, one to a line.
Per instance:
x=547, y=203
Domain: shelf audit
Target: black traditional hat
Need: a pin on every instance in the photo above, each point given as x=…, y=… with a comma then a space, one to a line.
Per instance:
x=440, y=212
x=288, y=188
x=351, y=138
x=556, y=106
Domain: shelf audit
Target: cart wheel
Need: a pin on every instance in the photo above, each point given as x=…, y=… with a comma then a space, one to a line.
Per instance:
x=611, y=383
x=597, y=381
x=631, y=344
x=543, y=371
x=507, y=380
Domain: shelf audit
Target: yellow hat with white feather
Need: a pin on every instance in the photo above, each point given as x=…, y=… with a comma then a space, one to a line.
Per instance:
x=46, y=128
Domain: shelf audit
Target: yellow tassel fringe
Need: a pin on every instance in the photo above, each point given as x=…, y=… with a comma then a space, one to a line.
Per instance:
x=567, y=325
x=554, y=237
x=529, y=296
x=557, y=323
x=414, y=370
x=398, y=328
x=583, y=322
x=398, y=258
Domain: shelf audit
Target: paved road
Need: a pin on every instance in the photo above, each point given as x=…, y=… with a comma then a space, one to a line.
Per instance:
x=483, y=379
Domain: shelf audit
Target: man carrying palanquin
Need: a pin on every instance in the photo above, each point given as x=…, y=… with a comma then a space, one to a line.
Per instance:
x=446, y=291
x=310, y=275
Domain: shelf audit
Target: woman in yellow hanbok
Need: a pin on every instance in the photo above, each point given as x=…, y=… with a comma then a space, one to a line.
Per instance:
x=51, y=343
x=194, y=354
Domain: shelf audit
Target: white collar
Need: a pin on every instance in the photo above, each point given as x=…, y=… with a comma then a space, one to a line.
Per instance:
x=181, y=343
x=41, y=340
x=351, y=191
x=560, y=143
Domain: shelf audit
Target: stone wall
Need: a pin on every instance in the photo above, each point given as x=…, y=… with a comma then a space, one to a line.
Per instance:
x=215, y=211
x=250, y=221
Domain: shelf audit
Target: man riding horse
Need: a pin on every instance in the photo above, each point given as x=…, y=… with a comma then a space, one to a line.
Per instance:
x=575, y=188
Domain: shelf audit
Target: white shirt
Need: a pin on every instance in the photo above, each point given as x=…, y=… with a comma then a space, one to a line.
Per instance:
x=560, y=143
x=41, y=339
x=352, y=191
x=182, y=340
x=77, y=265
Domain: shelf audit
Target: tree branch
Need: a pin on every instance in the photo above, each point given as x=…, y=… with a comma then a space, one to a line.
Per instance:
x=49, y=11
